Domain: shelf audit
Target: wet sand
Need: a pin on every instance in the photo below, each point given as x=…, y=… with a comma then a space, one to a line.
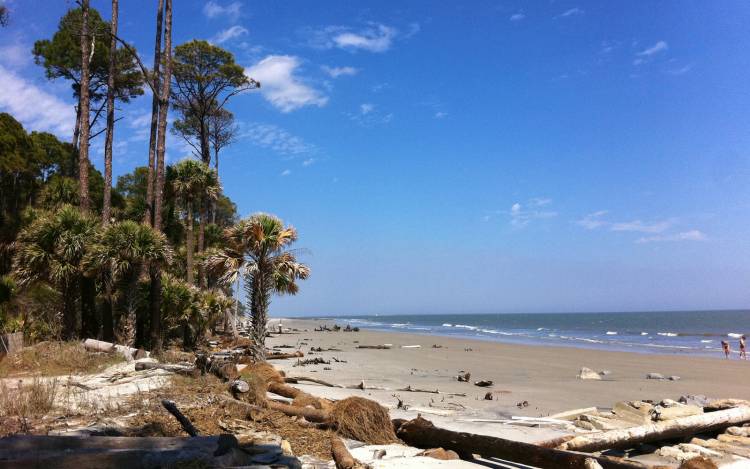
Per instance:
x=545, y=377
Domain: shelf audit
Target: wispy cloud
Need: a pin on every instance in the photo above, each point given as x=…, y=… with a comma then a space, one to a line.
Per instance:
x=281, y=86
x=441, y=115
x=335, y=72
x=286, y=172
x=276, y=139
x=375, y=37
x=660, y=46
x=368, y=115
x=570, y=12
x=517, y=16
x=692, y=235
x=214, y=9
x=228, y=34
x=593, y=221
x=680, y=70
x=639, y=226
x=308, y=162
x=521, y=216
x=34, y=107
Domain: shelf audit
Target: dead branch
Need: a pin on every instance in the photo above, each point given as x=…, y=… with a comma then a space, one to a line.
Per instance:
x=186, y=424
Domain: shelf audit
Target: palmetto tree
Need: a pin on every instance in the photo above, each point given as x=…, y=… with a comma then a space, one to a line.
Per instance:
x=51, y=249
x=257, y=247
x=118, y=255
x=191, y=182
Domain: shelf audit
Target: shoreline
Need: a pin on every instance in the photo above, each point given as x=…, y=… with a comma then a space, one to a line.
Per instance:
x=545, y=377
x=607, y=343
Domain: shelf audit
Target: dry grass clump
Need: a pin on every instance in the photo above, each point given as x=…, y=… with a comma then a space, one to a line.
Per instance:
x=257, y=393
x=57, y=358
x=265, y=371
x=174, y=356
x=363, y=420
x=28, y=401
x=304, y=399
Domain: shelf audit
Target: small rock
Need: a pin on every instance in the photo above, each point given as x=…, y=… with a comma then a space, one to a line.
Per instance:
x=588, y=373
x=483, y=384
x=488, y=396
x=439, y=453
x=378, y=454
x=605, y=373
x=655, y=376
x=694, y=399
x=674, y=378
x=240, y=386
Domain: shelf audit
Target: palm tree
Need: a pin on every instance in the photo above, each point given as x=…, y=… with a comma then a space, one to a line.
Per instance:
x=51, y=250
x=192, y=180
x=119, y=254
x=257, y=247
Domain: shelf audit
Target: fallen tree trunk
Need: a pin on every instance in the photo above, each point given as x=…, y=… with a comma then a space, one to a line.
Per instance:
x=341, y=456
x=423, y=434
x=183, y=370
x=283, y=356
x=284, y=390
x=310, y=414
x=431, y=391
x=94, y=345
x=375, y=347
x=680, y=427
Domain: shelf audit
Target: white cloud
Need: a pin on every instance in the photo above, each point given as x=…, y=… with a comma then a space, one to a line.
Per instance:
x=692, y=235
x=517, y=16
x=540, y=201
x=640, y=227
x=366, y=108
x=335, y=72
x=286, y=172
x=571, y=12
x=660, y=46
x=368, y=115
x=308, y=162
x=281, y=87
x=440, y=115
x=681, y=70
x=227, y=34
x=592, y=221
x=34, y=107
x=275, y=138
x=374, y=38
x=213, y=9
x=15, y=55
x=520, y=216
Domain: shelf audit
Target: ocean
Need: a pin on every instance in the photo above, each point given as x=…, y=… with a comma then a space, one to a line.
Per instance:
x=681, y=332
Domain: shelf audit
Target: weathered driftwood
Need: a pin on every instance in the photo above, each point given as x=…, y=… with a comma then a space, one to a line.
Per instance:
x=297, y=379
x=722, y=447
x=723, y=404
x=76, y=452
x=181, y=369
x=423, y=434
x=310, y=414
x=284, y=390
x=375, y=347
x=185, y=422
x=341, y=456
x=408, y=388
x=669, y=429
x=129, y=353
x=284, y=356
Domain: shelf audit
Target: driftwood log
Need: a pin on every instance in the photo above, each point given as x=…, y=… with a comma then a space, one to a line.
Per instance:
x=341, y=456
x=181, y=369
x=297, y=379
x=310, y=414
x=76, y=452
x=129, y=353
x=422, y=433
x=375, y=347
x=185, y=422
x=284, y=356
x=669, y=429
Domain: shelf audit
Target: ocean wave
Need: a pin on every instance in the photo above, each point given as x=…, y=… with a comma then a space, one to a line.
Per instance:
x=447, y=324
x=706, y=341
x=584, y=339
x=644, y=333
x=464, y=326
x=667, y=334
x=400, y=324
x=735, y=335
x=611, y=332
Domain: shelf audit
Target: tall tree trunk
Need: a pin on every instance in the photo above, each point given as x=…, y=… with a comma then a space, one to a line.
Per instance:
x=189, y=243
x=89, y=326
x=156, y=76
x=77, y=130
x=202, y=241
x=166, y=78
x=83, y=150
x=107, y=205
x=213, y=202
x=155, y=307
x=259, y=299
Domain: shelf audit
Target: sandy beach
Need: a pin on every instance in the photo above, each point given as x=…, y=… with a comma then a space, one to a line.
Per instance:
x=545, y=377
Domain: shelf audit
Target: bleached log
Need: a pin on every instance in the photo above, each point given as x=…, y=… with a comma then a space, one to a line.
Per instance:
x=94, y=345
x=722, y=447
x=680, y=427
x=284, y=356
x=181, y=369
x=297, y=379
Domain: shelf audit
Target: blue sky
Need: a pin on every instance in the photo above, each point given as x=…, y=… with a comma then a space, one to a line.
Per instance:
x=468, y=156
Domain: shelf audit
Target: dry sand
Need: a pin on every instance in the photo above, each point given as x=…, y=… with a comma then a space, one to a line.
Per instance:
x=543, y=376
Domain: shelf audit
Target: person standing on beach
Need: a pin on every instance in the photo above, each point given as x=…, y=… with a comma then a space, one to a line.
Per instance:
x=743, y=354
x=725, y=346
